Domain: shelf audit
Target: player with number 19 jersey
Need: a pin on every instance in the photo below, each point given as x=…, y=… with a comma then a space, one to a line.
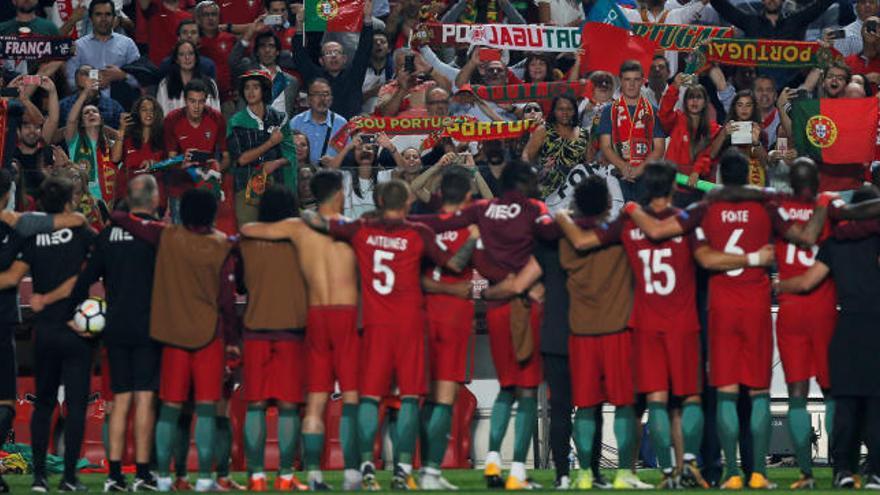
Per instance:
x=805, y=322
x=740, y=326
x=389, y=255
x=666, y=340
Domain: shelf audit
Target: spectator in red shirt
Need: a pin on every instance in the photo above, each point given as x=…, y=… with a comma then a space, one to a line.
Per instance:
x=240, y=11
x=217, y=45
x=867, y=62
x=195, y=127
x=140, y=143
x=163, y=17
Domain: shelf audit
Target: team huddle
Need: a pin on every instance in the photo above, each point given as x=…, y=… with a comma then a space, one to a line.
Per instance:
x=629, y=284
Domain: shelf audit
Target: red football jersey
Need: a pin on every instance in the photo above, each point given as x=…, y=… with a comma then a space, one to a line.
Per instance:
x=452, y=240
x=240, y=11
x=180, y=135
x=162, y=24
x=665, y=295
x=793, y=260
x=736, y=228
x=389, y=255
x=218, y=49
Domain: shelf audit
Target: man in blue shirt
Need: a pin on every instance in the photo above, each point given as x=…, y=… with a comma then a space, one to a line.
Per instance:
x=319, y=123
x=104, y=50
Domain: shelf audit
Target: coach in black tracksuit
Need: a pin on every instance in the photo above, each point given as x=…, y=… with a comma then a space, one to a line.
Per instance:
x=126, y=265
x=60, y=355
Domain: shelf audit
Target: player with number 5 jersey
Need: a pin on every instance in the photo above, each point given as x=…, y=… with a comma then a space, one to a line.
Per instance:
x=389, y=251
x=737, y=220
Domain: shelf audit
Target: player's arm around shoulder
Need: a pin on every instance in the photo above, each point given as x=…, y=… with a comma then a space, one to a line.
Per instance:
x=287, y=229
x=657, y=229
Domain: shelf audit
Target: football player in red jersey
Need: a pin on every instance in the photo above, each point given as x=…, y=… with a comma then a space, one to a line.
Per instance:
x=508, y=227
x=737, y=220
x=666, y=340
x=389, y=251
x=450, y=312
x=805, y=322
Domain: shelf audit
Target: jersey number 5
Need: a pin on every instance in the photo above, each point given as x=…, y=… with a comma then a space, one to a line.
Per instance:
x=383, y=282
x=652, y=264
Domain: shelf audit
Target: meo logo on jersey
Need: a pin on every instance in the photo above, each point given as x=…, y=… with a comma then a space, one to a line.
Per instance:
x=503, y=212
x=56, y=238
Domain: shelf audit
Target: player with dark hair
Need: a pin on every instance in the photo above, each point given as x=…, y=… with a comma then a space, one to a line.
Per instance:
x=450, y=311
x=805, y=322
x=508, y=226
x=62, y=357
x=126, y=266
x=737, y=220
x=850, y=256
x=274, y=322
x=332, y=343
x=389, y=251
x=193, y=314
x=665, y=336
x=14, y=230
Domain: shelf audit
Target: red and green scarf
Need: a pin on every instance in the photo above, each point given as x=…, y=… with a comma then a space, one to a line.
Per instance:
x=632, y=135
x=761, y=53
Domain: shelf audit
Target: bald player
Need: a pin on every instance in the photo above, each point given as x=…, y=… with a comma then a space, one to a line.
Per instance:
x=332, y=344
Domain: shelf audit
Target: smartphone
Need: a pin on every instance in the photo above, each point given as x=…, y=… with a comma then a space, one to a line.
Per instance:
x=801, y=93
x=273, y=20
x=31, y=80
x=871, y=26
x=94, y=74
x=782, y=144
x=368, y=138
x=198, y=156
x=837, y=34
x=409, y=63
x=743, y=133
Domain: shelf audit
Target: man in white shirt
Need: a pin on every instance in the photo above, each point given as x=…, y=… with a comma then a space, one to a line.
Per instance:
x=851, y=43
x=657, y=12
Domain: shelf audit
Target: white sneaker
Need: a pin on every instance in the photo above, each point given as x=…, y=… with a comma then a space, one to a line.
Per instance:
x=446, y=484
x=627, y=480
x=205, y=485
x=430, y=482
x=164, y=484
x=563, y=483
x=351, y=479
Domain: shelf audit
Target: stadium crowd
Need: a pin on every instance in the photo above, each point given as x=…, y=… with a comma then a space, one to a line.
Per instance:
x=625, y=236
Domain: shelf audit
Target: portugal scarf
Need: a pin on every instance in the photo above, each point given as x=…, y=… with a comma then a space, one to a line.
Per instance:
x=632, y=135
x=761, y=53
x=101, y=171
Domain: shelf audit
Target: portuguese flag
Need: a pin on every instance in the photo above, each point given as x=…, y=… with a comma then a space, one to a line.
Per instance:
x=835, y=131
x=334, y=16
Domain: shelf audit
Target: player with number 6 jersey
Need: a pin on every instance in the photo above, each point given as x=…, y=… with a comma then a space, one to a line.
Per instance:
x=666, y=340
x=737, y=220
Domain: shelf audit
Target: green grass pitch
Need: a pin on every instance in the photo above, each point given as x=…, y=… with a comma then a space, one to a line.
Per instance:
x=468, y=480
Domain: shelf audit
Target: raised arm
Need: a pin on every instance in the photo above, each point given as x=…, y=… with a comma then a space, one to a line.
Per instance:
x=515, y=284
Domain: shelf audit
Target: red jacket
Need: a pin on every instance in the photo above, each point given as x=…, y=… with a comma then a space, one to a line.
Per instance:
x=678, y=151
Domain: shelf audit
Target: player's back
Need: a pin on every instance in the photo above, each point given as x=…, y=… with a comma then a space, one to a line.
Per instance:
x=389, y=255
x=665, y=293
x=453, y=240
x=737, y=228
x=507, y=226
x=792, y=260
x=329, y=269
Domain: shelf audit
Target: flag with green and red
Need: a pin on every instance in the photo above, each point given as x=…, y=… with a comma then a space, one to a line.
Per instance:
x=334, y=16
x=835, y=131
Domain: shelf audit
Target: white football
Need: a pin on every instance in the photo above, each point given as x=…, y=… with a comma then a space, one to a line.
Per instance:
x=91, y=315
